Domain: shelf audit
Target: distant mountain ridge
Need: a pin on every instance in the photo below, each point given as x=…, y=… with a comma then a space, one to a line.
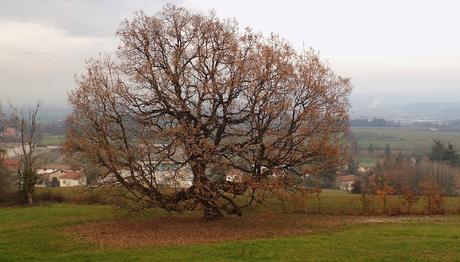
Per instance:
x=443, y=111
x=404, y=107
x=48, y=113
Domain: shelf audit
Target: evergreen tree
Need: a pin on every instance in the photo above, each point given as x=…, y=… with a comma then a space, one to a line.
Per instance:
x=451, y=155
x=371, y=149
x=352, y=167
x=441, y=153
x=387, y=150
x=437, y=151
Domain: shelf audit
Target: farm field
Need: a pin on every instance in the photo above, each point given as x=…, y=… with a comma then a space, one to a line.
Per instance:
x=402, y=138
x=52, y=140
x=70, y=232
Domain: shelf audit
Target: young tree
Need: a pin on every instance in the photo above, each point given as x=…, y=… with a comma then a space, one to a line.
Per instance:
x=410, y=198
x=432, y=195
x=371, y=149
x=381, y=185
x=383, y=193
x=29, y=132
x=352, y=167
x=3, y=169
x=4, y=174
x=354, y=149
x=2, y=117
x=387, y=151
x=194, y=90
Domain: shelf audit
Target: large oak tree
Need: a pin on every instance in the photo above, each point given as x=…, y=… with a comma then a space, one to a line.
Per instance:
x=195, y=92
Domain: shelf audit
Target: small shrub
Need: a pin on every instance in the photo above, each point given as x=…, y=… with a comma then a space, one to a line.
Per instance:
x=357, y=187
x=396, y=210
x=410, y=198
x=317, y=193
x=49, y=195
x=365, y=205
x=10, y=197
x=383, y=192
x=93, y=198
x=432, y=196
x=294, y=201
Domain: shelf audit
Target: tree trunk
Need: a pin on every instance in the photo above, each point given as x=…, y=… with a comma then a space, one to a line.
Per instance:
x=30, y=199
x=28, y=191
x=205, y=192
x=211, y=212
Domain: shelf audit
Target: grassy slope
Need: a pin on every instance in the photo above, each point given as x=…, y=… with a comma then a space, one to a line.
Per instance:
x=35, y=234
x=331, y=201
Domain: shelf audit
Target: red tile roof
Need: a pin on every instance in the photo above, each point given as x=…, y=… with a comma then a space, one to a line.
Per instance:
x=72, y=175
x=60, y=166
x=11, y=162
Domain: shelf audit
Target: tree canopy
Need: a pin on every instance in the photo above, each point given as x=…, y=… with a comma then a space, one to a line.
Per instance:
x=197, y=93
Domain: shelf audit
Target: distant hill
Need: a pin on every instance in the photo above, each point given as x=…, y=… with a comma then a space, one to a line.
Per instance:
x=52, y=113
x=48, y=113
x=443, y=111
x=403, y=107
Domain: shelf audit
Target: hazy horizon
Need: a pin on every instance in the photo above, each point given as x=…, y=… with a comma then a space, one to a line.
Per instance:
x=389, y=49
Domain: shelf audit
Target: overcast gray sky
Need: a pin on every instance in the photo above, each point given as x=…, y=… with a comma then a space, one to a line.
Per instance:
x=407, y=47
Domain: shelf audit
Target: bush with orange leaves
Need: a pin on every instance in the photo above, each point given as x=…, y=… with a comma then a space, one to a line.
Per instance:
x=380, y=184
x=410, y=198
x=383, y=192
x=297, y=201
x=432, y=196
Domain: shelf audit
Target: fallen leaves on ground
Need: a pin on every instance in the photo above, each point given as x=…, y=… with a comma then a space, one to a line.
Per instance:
x=184, y=230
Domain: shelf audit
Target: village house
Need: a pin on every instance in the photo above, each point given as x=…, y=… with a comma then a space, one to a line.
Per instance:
x=345, y=182
x=234, y=176
x=165, y=174
x=9, y=132
x=58, y=174
x=11, y=163
x=72, y=179
x=171, y=174
x=364, y=169
x=45, y=171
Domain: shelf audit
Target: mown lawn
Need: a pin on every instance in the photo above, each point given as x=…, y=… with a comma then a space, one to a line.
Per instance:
x=37, y=234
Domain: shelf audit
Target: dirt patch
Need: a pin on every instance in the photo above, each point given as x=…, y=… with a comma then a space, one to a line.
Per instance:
x=403, y=219
x=192, y=230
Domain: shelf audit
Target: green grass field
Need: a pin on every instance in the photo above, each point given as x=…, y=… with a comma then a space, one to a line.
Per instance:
x=402, y=138
x=331, y=202
x=397, y=138
x=38, y=233
x=366, y=160
x=52, y=140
